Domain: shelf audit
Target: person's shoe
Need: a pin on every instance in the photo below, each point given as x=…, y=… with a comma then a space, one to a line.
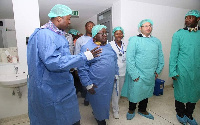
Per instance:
x=86, y=103
x=182, y=120
x=130, y=116
x=116, y=115
x=150, y=116
x=103, y=122
x=191, y=122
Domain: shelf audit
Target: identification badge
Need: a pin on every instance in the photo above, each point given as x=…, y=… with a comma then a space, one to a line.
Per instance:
x=123, y=58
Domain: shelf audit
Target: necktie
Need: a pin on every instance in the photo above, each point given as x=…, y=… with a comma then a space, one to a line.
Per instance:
x=192, y=29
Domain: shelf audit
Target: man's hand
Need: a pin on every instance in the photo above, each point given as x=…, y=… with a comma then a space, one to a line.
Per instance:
x=156, y=75
x=92, y=91
x=174, y=78
x=95, y=52
x=136, y=79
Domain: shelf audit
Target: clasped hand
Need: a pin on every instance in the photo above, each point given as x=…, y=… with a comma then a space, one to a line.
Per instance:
x=156, y=76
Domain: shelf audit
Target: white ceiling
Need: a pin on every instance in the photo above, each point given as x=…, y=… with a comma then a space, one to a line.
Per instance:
x=88, y=8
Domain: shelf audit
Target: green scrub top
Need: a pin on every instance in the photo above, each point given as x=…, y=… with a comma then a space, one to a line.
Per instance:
x=185, y=62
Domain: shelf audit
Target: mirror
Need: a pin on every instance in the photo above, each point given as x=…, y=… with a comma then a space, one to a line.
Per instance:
x=7, y=33
x=8, y=41
x=7, y=25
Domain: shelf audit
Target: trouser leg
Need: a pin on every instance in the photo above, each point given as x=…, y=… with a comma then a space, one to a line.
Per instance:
x=86, y=97
x=77, y=123
x=180, y=108
x=132, y=106
x=121, y=83
x=117, y=93
x=83, y=92
x=103, y=122
x=143, y=105
x=86, y=100
x=77, y=82
x=189, y=109
x=115, y=99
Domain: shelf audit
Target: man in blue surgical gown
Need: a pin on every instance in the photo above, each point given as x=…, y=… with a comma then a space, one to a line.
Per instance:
x=52, y=98
x=79, y=43
x=144, y=61
x=184, y=67
x=98, y=75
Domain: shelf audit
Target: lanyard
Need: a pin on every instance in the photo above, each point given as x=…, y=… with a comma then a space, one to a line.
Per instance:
x=122, y=49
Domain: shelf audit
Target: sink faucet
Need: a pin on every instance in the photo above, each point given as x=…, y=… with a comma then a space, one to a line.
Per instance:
x=16, y=69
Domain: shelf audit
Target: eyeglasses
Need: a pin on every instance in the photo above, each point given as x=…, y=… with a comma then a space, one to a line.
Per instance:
x=103, y=34
x=147, y=26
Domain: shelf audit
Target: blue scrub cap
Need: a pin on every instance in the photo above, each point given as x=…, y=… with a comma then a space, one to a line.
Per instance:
x=117, y=28
x=144, y=21
x=195, y=13
x=73, y=31
x=96, y=29
x=60, y=10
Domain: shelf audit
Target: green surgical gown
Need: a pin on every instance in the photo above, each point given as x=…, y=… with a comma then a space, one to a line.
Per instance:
x=185, y=62
x=144, y=57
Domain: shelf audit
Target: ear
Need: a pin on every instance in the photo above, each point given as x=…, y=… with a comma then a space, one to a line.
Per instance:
x=94, y=39
x=59, y=19
x=198, y=19
x=140, y=28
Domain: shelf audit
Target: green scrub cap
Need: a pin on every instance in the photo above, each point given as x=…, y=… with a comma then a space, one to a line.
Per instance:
x=117, y=28
x=144, y=21
x=73, y=31
x=96, y=29
x=195, y=13
x=60, y=10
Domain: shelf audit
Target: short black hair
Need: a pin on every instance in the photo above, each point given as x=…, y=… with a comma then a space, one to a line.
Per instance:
x=88, y=23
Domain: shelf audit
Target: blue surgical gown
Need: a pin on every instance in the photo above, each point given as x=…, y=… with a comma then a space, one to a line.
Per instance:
x=100, y=71
x=144, y=57
x=52, y=98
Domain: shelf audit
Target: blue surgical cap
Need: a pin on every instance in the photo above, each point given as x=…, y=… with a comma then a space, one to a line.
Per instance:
x=144, y=21
x=73, y=31
x=117, y=28
x=195, y=13
x=96, y=29
x=60, y=10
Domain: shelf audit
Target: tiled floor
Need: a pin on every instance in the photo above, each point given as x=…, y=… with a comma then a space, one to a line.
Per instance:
x=16, y=120
x=162, y=107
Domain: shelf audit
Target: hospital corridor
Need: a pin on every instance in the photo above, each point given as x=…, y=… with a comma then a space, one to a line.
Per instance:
x=162, y=107
x=95, y=62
